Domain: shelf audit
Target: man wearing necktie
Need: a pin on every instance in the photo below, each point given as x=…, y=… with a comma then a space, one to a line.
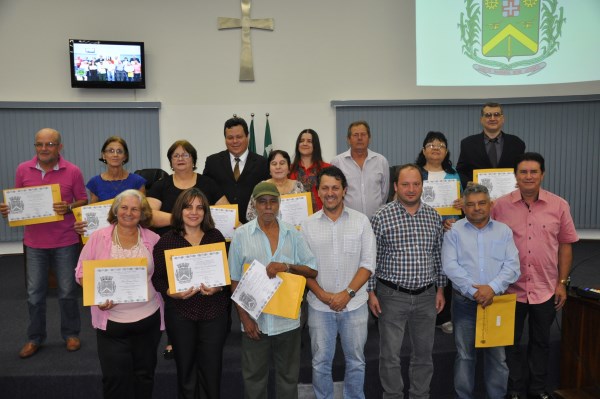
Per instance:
x=492, y=148
x=237, y=170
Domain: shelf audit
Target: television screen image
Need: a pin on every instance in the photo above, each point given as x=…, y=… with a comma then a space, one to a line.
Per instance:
x=107, y=64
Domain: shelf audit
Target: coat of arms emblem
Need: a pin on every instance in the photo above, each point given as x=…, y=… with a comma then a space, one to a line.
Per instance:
x=16, y=205
x=510, y=37
x=92, y=221
x=248, y=300
x=184, y=273
x=428, y=194
x=106, y=286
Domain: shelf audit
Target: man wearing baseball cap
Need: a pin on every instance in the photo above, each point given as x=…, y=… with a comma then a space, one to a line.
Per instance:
x=281, y=248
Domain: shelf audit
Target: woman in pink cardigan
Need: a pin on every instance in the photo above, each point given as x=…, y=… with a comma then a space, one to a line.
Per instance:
x=127, y=333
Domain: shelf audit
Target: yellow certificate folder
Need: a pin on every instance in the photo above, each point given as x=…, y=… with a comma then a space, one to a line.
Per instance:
x=287, y=299
x=197, y=249
x=79, y=217
x=56, y=197
x=225, y=230
x=450, y=210
x=496, y=323
x=307, y=197
x=89, y=266
x=476, y=172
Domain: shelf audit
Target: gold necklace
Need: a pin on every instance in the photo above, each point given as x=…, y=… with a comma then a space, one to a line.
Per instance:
x=118, y=241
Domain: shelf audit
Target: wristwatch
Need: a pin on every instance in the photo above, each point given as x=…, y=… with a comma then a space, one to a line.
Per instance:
x=350, y=292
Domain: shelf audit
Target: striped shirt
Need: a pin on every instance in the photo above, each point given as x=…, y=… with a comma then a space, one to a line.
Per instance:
x=341, y=247
x=408, y=246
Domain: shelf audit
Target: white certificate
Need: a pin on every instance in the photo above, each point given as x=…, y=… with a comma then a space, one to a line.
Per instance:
x=295, y=208
x=441, y=194
x=498, y=181
x=226, y=218
x=255, y=289
x=121, y=284
x=191, y=270
x=32, y=205
x=95, y=216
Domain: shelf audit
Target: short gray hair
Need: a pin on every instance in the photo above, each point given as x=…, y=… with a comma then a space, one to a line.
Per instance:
x=476, y=189
x=146, y=211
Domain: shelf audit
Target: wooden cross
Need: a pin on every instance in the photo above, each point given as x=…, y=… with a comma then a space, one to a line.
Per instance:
x=246, y=23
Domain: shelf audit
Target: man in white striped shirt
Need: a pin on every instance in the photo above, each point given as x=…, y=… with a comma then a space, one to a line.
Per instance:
x=344, y=244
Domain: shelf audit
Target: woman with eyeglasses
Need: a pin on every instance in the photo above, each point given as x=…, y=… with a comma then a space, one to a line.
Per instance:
x=307, y=164
x=435, y=164
x=196, y=319
x=116, y=178
x=162, y=195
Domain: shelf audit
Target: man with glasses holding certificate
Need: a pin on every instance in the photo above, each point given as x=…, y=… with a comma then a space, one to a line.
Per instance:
x=54, y=244
x=492, y=148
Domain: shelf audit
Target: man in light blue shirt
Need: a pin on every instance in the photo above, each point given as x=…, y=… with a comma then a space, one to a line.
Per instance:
x=343, y=242
x=281, y=248
x=479, y=256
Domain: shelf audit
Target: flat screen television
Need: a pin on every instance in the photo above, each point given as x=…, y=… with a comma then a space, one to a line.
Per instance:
x=107, y=64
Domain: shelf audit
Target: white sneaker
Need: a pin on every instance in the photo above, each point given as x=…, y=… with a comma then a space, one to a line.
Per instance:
x=447, y=327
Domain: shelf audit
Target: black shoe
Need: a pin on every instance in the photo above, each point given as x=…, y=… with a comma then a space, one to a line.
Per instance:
x=512, y=396
x=168, y=354
x=543, y=395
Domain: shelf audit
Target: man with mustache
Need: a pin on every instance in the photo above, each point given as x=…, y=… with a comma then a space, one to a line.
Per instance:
x=479, y=256
x=281, y=248
x=544, y=232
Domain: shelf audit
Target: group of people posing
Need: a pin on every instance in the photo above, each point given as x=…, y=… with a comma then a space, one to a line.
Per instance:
x=363, y=250
x=108, y=69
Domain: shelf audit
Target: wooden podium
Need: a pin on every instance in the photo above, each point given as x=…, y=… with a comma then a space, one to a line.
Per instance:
x=580, y=348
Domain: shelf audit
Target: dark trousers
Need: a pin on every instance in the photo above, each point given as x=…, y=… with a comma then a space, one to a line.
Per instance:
x=285, y=350
x=127, y=353
x=540, y=321
x=198, y=349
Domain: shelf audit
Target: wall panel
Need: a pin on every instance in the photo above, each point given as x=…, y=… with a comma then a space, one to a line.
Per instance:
x=84, y=128
x=565, y=130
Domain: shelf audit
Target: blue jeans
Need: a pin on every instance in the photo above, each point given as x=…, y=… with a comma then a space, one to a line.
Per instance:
x=464, y=315
x=39, y=261
x=416, y=313
x=352, y=328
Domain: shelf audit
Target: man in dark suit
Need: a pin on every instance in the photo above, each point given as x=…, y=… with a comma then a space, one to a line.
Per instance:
x=236, y=169
x=492, y=148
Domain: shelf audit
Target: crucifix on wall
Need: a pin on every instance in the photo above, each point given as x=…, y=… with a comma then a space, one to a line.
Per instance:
x=246, y=23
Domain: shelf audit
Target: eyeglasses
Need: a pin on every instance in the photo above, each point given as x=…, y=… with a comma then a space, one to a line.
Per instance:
x=113, y=151
x=185, y=155
x=431, y=146
x=47, y=145
x=488, y=115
